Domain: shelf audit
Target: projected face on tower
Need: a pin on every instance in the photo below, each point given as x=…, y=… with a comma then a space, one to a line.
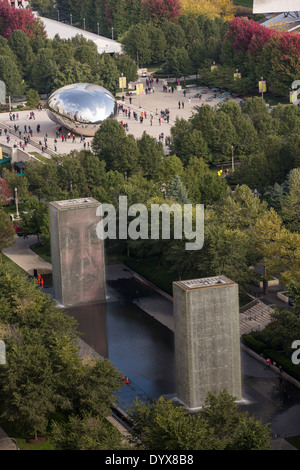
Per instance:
x=77, y=252
x=81, y=255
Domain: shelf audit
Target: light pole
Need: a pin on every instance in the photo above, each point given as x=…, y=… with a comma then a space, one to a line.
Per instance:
x=84, y=24
x=16, y=199
x=112, y=33
x=262, y=88
x=71, y=18
x=98, y=28
x=139, y=92
x=232, y=159
x=57, y=15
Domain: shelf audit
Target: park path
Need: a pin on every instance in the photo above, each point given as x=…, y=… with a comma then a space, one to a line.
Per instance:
x=21, y=254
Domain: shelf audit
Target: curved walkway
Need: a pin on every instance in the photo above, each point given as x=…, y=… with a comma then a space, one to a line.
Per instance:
x=21, y=254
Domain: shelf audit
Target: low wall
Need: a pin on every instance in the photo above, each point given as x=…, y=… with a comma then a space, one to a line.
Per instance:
x=16, y=154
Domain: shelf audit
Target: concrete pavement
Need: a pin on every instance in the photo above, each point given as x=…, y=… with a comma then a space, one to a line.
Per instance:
x=21, y=254
x=150, y=103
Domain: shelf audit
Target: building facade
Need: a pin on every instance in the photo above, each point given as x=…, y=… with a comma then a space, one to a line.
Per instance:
x=78, y=264
x=207, y=339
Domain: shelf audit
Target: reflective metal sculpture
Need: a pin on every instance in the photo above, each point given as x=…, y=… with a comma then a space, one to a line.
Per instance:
x=81, y=107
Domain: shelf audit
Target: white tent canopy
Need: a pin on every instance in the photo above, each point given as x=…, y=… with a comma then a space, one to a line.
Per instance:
x=66, y=31
x=275, y=6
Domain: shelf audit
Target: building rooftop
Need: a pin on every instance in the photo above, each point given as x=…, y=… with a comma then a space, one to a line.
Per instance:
x=71, y=203
x=204, y=282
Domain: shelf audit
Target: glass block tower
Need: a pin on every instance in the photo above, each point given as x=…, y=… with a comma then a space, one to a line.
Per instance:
x=78, y=266
x=207, y=339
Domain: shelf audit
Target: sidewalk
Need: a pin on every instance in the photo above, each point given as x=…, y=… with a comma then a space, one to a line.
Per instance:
x=21, y=254
x=7, y=443
x=151, y=103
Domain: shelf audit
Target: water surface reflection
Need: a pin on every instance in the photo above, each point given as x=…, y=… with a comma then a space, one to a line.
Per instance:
x=138, y=345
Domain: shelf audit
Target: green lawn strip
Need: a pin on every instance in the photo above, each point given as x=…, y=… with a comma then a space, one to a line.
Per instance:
x=149, y=268
x=23, y=445
x=294, y=441
x=43, y=250
x=15, y=267
x=39, y=157
x=244, y=3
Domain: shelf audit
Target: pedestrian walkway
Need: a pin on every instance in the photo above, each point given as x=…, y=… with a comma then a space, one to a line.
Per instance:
x=153, y=103
x=21, y=254
x=7, y=443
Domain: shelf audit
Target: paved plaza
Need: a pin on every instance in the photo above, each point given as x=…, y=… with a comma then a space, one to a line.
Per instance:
x=150, y=103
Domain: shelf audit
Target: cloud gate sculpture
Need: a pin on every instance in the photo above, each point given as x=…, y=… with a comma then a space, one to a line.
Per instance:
x=81, y=107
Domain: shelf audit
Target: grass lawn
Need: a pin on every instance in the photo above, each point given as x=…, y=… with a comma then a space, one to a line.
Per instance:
x=43, y=250
x=244, y=3
x=23, y=445
x=13, y=210
x=40, y=157
x=294, y=441
x=14, y=266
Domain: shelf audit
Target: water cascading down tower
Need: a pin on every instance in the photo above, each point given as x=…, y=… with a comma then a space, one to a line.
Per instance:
x=77, y=253
x=207, y=339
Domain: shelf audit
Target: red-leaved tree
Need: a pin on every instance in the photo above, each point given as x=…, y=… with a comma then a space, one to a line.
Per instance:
x=6, y=194
x=163, y=10
x=18, y=18
x=248, y=35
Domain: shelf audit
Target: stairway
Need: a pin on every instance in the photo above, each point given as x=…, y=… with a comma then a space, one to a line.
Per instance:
x=256, y=317
x=32, y=142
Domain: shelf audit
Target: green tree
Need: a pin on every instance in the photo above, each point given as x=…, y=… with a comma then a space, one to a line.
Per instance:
x=151, y=155
x=221, y=137
x=28, y=400
x=158, y=44
x=118, y=150
x=230, y=252
x=20, y=45
x=253, y=171
x=107, y=73
x=44, y=179
x=86, y=433
x=178, y=192
x=15, y=181
x=240, y=209
x=33, y=98
x=7, y=232
x=44, y=71
x=291, y=203
x=127, y=66
x=240, y=431
x=136, y=44
x=162, y=426
x=11, y=76
x=34, y=216
x=44, y=7
x=220, y=426
x=281, y=332
x=257, y=110
x=174, y=35
x=93, y=388
x=276, y=196
x=171, y=166
x=187, y=142
x=247, y=140
x=178, y=62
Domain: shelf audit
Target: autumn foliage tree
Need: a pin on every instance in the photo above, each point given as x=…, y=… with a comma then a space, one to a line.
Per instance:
x=22, y=19
x=160, y=11
x=6, y=194
x=260, y=51
x=210, y=9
